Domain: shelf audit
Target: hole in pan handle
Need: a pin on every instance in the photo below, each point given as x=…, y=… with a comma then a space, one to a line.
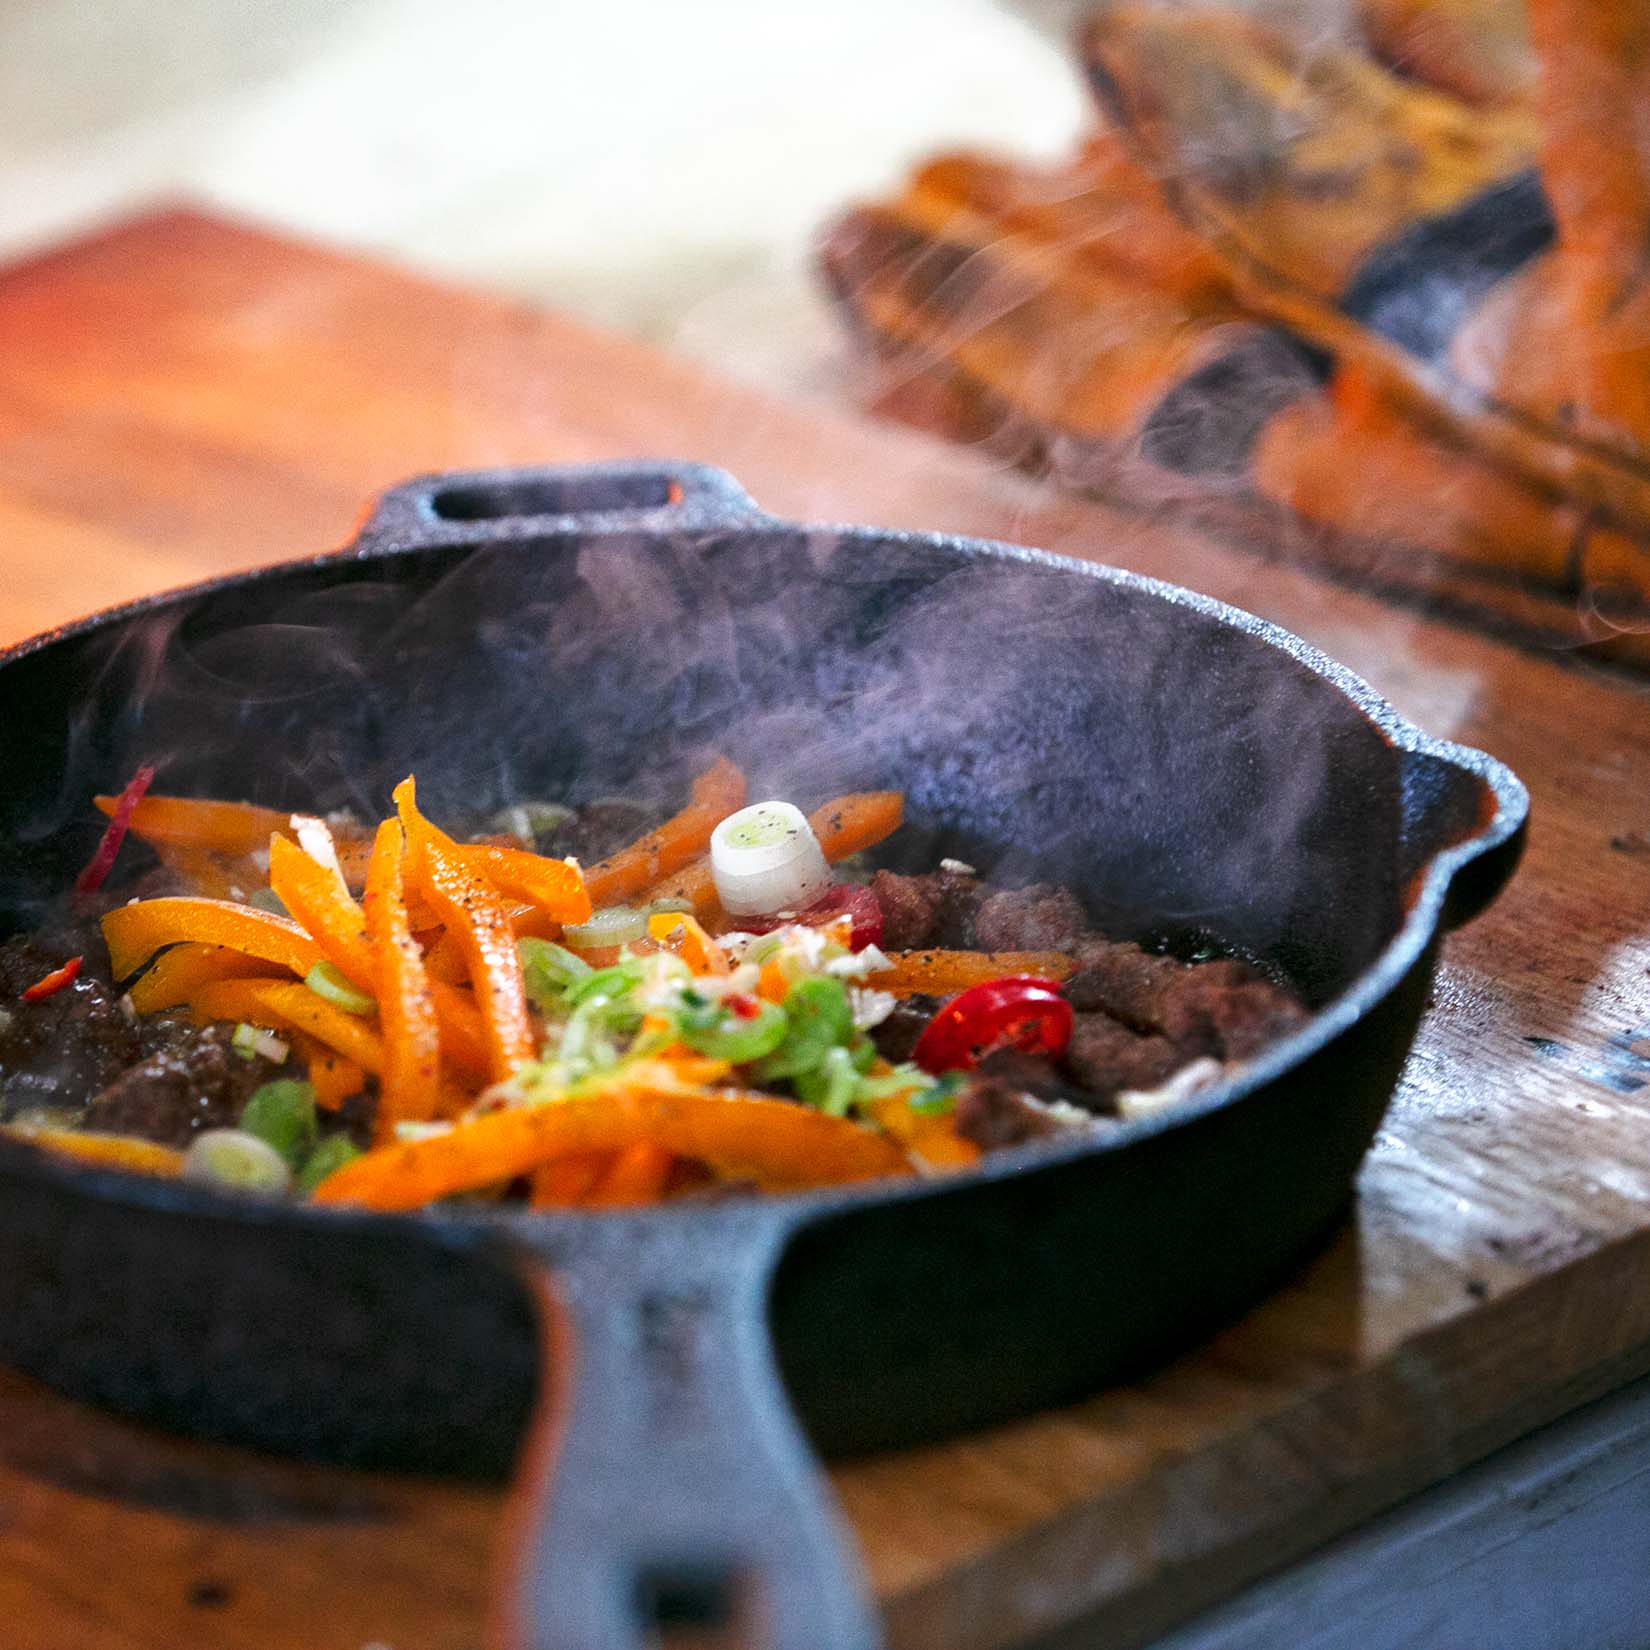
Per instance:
x=478, y=503
x=1472, y=812
x=665, y=1486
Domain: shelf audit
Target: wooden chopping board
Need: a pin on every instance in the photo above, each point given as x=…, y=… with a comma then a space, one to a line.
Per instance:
x=181, y=396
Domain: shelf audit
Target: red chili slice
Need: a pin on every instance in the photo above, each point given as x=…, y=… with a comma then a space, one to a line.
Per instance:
x=1020, y=1012
x=53, y=982
x=102, y=861
x=841, y=899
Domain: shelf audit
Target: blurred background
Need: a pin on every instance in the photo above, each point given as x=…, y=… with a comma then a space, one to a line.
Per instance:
x=598, y=157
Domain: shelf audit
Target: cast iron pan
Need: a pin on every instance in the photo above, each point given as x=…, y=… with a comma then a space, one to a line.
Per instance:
x=1192, y=769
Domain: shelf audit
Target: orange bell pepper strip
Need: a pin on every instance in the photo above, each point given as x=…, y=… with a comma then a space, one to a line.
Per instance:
x=445, y=958
x=176, y=975
x=281, y=1003
x=134, y=933
x=780, y=1146
x=320, y=901
x=845, y=825
x=944, y=973
x=638, y=1175
x=475, y=914
x=106, y=1151
x=410, y=1082
x=565, y=1182
x=716, y=793
x=333, y=1077
x=679, y=931
x=551, y=886
x=230, y=828
x=931, y=1137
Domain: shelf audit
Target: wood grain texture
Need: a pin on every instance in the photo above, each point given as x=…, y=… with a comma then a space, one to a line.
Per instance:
x=181, y=397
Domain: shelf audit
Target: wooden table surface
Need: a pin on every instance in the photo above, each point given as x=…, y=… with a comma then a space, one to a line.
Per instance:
x=181, y=396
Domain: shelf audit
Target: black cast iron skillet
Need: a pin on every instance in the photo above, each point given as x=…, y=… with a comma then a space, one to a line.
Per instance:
x=1191, y=768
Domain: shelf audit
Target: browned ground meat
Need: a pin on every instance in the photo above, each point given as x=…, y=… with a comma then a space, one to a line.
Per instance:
x=1139, y=1017
x=1221, y=1008
x=937, y=908
x=58, y=1051
x=199, y=1083
x=1036, y=918
x=998, y=1104
x=1104, y=1057
x=357, y=1115
x=896, y=1038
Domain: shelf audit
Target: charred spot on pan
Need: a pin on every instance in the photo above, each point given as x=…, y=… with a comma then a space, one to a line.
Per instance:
x=208, y=1594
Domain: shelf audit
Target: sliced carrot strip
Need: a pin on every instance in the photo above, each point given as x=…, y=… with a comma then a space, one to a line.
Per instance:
x=942, y=973
x=744, y=1136
x=637, y=1175
x=410, y=1083
x=693, y=885
x=109, y=1151
x=551, y=886
x=134, y=933
x=717, y=792
x=850, y=824
x=565, y=1182
x=475, y=914
x=176, y=975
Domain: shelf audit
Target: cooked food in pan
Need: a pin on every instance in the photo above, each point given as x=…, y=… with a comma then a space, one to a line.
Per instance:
x=584, y=1006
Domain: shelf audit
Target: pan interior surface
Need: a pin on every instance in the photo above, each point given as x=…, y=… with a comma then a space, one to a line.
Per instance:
x=1044, y=723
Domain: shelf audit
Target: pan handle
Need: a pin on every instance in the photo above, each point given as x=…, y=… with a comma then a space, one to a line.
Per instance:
x=1472, y=814
x=471, y=504
x=672, y=1485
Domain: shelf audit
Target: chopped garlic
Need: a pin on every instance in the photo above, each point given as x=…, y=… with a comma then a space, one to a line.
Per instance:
x=870, y=1008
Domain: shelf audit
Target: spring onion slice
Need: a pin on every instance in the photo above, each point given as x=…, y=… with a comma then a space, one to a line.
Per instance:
x=611, y=925
x=329, y=984
x=249, y=1041
x=238, y=1161
x=766, y=859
